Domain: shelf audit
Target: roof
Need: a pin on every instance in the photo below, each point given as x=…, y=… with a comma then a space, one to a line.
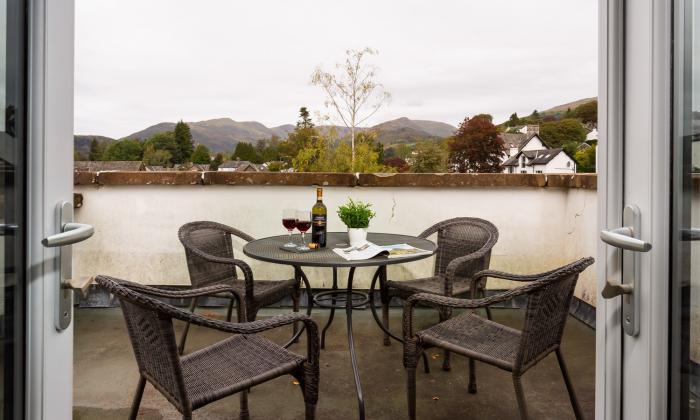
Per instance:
x=238, y=165
x=514, y=140
x=536, y=157
x=108, y=165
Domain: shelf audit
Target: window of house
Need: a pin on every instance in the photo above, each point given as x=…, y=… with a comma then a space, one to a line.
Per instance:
x=538, y=172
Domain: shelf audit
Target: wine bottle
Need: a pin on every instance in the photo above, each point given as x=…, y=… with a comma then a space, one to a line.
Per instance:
x=319, y=215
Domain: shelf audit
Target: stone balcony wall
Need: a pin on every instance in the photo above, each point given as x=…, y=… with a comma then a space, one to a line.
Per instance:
x=544, y=220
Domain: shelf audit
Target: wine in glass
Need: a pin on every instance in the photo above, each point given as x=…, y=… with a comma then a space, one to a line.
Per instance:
x=289, y=221
x=303, y=224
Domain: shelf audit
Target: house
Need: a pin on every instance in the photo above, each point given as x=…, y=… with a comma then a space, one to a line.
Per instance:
x=513, y=141
x=535, y=157
x=108, y=166
x=238, y=166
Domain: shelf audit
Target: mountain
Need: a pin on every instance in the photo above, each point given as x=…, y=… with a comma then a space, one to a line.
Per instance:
x=222, y=134
x=570, y=105
x=404, y=130
x=81, y=143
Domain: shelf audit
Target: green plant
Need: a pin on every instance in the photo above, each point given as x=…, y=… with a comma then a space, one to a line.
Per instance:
x=356, y=214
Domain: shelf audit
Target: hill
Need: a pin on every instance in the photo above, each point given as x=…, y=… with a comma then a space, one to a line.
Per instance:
x=81, y=143
x=222, y=134
x=570, y=105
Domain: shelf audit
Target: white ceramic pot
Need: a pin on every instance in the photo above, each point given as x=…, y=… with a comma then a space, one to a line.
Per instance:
x=357, y=236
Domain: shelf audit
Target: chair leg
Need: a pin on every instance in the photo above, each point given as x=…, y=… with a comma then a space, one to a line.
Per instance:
x=569, y=386
x=183, y=338
x=137, y=398
x=520, y=397
x=472, y=376
x=426, y=365
x=295, y=302
x=244, y=414
x=445, y=314
x=411, y=392
x=229, y=313
x=488, y=308
x=385, y=321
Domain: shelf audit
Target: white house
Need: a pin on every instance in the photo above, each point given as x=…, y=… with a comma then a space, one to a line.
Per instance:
x=535, y=157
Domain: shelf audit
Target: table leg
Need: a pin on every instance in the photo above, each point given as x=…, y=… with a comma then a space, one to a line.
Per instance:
x=351, y=345
x=330, y=318
x=309, y=304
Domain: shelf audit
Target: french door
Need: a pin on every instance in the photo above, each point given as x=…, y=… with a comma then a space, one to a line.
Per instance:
x=634, y=198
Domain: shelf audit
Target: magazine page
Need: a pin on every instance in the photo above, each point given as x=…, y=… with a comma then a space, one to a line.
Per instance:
x=364, y=252
x=404, y=250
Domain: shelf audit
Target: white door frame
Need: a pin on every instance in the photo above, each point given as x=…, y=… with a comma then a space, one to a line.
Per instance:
x=49, y=374
x=635, y=105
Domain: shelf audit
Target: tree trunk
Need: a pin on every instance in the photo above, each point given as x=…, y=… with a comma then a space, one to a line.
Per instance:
x=352, y=146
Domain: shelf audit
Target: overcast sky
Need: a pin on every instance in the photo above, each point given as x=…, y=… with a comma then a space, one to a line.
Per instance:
x=139, y=62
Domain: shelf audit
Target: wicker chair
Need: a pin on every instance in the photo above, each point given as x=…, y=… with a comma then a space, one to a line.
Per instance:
x=210, y=260
x=230, y=366
x=549, y=295
x=464, y=248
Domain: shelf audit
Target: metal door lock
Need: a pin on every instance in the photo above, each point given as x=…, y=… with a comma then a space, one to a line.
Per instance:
x=70, y=234
x=627, y=240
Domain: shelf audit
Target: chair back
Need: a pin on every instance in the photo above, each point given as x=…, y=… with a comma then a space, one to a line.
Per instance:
x=212, y=239
x=546, y=314
x=463, y=236
x=152, y=339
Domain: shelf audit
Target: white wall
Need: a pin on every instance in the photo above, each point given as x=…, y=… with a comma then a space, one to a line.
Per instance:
x=558, y=165
x=136, y=226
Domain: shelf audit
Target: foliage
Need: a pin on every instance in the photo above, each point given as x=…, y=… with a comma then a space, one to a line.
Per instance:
x=314, y=156
x=585, y=160
x=216, y=162
x=201, y=154
x=366, y=159
x=397, y=163
x=513, y=120
x=304, y=119
x=126, y=149
x=275, y=166
x=165, y=141
x=96, y=150
x=356, y=214
x=185, y=146
x=429, y=157
x=567, y=133
x=587, y=113
x=246, y=151
x=303, y=136
x=156, y=157
x=351, y=91
x=77, y=156
x=476, y=146
x=269, y=149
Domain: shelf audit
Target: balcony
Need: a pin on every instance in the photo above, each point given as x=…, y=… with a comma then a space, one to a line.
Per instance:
x=544, y=221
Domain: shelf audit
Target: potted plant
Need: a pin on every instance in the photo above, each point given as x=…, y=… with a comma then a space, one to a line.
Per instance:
x=356, y=216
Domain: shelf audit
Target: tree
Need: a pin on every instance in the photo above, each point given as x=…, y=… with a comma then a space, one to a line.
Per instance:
x=304, y=119
x=185, y=146
x=397, y=163
x=513, y=120
x=156, y=157
x=201, y=154
x=165, y=141
x=216, y=162
x=96, y=150
x=588, y=112
x=351, y=91
x=429, y=157
x=585, y=159
x=127, y=149
x=314, y=156
x=476, y=146
x=77, y=156
x=567, y=133
x=246, y=151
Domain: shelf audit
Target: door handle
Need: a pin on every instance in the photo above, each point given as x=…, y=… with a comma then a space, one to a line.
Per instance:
x=627, y=240
x=70, y=234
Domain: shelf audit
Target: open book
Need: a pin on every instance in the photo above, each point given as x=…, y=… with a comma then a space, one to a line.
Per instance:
x=370, y=250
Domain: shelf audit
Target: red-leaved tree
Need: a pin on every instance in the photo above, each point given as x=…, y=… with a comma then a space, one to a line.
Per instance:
x=476, y=146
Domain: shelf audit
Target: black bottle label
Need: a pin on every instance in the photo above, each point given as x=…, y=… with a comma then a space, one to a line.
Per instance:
x=318, y=230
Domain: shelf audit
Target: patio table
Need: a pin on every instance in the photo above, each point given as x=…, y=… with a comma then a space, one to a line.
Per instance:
x=268, y=249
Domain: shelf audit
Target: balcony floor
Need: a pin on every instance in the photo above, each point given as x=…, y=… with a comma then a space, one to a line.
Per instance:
x=105, y=375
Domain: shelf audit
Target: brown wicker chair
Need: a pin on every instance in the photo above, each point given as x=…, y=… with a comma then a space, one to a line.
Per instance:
x=210, y=260
x=464, y=248
x=230, y=366
x=549, y=296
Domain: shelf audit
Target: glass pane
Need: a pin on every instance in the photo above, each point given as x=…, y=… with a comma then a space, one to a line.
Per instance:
x=12, y=199
x=685, y=249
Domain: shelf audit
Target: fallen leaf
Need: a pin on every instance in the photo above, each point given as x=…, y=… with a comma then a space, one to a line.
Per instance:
x=436, y=398
x=295, y=382
x=434, y=356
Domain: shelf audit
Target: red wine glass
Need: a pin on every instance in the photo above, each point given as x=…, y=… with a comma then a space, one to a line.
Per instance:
x=303, y=224
x=289, y=221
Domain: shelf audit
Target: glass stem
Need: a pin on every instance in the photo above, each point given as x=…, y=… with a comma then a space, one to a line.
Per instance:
x=290, y=235
x=303, y=238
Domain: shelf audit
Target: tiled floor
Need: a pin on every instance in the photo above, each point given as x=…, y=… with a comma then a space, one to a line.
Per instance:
x=105, y=375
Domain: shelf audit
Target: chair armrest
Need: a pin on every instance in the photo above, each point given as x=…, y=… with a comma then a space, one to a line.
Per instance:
x=245, y=268
x=453, y=266
x=485, y=274
x=181, y=294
